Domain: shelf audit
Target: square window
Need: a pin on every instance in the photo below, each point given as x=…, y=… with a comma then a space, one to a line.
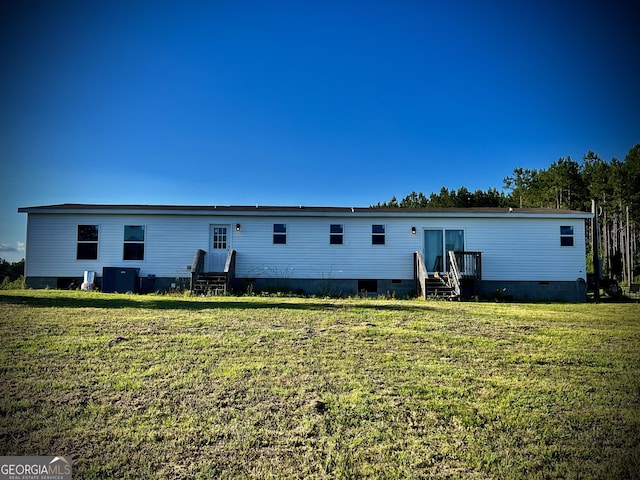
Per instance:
x=134, y=233
x=566, y=236
x=87, y=233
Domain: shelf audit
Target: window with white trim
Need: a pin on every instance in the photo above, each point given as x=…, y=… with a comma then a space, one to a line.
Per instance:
x=279, y=234
x=378, y=235
x=566, y=236
x=219, y=238
x=336, y=234
x=87, y=248
x=133, y=242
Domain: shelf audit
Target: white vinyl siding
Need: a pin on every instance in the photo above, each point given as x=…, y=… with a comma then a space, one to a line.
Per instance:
x=513, y=248
x=308, y=254
x=170, y=244
x=527, y=249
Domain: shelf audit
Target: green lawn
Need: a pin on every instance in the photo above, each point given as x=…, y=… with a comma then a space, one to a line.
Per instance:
x=253, y=387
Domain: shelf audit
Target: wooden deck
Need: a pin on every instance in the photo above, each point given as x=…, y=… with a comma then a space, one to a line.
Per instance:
x=461, y=280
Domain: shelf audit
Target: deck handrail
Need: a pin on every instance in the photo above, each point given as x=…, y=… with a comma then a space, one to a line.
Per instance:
x=420, y=273
x=197, y=267
x=469, y=264
x=230, y=263
x=454, y=274
x=230, y=267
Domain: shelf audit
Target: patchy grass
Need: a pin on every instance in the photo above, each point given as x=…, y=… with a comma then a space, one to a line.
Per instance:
x=165, y=387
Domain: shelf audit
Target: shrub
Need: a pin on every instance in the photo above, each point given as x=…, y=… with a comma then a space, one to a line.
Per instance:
x=8, y=284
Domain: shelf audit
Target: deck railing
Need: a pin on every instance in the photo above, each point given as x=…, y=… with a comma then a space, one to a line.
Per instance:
x=469, y=264
x=197, y=267
x=454, y=274
x=420, y=274
x=230, y=268
x=466, y=267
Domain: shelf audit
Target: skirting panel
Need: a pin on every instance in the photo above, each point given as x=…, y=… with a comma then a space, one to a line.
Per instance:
x=328, y=287
x=575, y=291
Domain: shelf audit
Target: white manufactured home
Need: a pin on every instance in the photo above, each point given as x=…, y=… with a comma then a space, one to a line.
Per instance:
x=525, y=254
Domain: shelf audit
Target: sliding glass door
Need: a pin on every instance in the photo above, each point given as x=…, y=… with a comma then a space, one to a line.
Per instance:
x=433, y=258
x=437, y=244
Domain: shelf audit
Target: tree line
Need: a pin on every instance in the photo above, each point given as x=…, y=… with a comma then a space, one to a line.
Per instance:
x=565, y=184
x=10, y=272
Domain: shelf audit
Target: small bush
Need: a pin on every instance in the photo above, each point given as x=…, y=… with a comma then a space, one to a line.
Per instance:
x=7, y=284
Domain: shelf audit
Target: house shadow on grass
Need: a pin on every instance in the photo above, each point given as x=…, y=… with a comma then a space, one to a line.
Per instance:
x=224, y=303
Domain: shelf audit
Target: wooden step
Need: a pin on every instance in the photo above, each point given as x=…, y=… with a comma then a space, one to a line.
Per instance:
x=210, y=283
x=438, y=287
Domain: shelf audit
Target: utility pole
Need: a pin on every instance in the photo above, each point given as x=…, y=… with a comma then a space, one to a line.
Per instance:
x=596, y=251
x=629, y=256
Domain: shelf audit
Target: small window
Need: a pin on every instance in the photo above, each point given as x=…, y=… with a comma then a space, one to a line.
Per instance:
x=377, y=234
x=133, y=242
x=336, y=234
x=279, y=234
x=87, y=242
x=219, y=238
x=566, y=236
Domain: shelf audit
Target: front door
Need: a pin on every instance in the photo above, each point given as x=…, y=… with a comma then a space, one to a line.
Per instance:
x=219, y=245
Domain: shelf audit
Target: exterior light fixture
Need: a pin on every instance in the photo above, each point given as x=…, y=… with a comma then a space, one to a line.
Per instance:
x=413, y=230
x=237, y=227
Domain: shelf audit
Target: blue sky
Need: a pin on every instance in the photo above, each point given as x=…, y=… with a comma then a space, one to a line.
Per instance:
x=339, y=103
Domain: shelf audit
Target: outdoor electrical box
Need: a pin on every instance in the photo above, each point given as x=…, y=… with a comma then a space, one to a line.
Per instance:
x=147, y=284
x=120, y=279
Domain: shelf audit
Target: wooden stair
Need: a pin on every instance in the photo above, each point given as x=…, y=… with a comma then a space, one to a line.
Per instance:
x=460, y=281
x=210, y=284
x=439, y=287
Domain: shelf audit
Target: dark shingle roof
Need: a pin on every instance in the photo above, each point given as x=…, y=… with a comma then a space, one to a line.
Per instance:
x=295, y=210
